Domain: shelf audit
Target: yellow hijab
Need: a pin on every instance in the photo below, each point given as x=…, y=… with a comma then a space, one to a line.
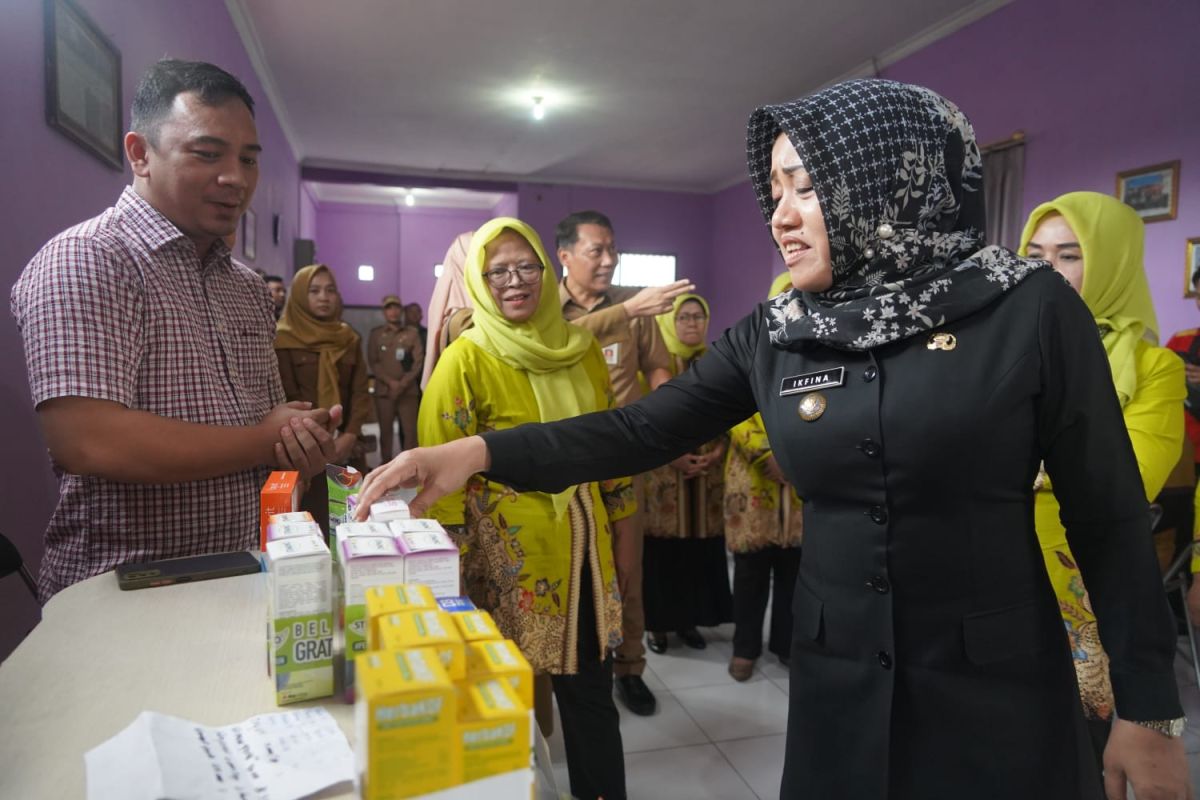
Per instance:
x=298, y=329
x=1111, y=237
x=782, y=283
x=547, y=348
x=666, y=326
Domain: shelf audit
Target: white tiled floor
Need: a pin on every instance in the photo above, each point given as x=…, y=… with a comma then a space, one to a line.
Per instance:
x=713, y=738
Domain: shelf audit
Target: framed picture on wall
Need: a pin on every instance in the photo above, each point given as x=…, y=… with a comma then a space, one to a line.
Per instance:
x=83, y=82
x=1153, y=192
x=1191, y=265
x=249, y=234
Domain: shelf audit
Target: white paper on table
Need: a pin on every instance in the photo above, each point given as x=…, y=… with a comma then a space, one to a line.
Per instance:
x=279, y=756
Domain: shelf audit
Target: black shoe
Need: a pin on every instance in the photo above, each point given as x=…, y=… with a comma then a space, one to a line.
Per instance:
x=692, y=638
x=636, y=695
x=657, y=642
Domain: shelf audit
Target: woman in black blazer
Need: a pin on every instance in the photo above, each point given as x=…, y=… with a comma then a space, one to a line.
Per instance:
x=911, y=383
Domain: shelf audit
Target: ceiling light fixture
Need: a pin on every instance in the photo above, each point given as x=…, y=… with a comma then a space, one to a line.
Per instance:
x=366, y=272
x=539, y=107
x=410, y=200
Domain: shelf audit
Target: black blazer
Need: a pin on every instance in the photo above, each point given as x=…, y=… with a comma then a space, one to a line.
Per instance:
x=929, y=657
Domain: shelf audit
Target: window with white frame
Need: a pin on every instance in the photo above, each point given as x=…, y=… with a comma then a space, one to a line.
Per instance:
x=644, y=269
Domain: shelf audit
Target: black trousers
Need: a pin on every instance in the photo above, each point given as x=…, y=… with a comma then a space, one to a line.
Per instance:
x=752, y=574
x=591, y=726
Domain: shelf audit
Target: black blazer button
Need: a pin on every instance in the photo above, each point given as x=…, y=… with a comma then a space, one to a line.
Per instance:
x=878, y=514
x=870, y=448
x=870, y=373
x=879, y=584
x=885, y=659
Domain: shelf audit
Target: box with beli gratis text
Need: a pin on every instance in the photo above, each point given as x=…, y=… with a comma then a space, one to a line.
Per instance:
x=495, y=729
x=280, y=495
x=430, y=627
x=405, y=719
x=299, y=618
x=476, y=626
x=383, y=600
x=430, y=556
x=342, y=483
x=366, y=562
x=501, y=658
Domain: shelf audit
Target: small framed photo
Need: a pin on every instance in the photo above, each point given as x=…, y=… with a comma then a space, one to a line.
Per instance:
x=83, y=82
x=1153, y=192
x=249, y=234
x=1191, y=266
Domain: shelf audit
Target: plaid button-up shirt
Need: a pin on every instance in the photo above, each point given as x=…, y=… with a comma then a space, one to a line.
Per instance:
x=121, y=308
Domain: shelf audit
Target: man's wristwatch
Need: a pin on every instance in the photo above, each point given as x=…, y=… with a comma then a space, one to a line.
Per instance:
x=1167, y=727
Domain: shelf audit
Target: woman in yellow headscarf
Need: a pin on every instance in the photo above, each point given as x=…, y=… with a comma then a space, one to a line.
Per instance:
x=764, y=523
x=685, y=578
x=321, y=362
x=1096, y=242
x=542, y=564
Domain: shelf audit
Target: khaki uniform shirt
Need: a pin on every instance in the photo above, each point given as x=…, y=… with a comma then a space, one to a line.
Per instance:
x=389, y=349
x=299, y=374
x=630, y=345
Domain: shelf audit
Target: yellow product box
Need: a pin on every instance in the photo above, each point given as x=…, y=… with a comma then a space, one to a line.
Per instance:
x=405, y=718
x=432, y=628
x=476, y=626
x=495, y=730
x=299, y=618
x=501, y=658
x=391, y=599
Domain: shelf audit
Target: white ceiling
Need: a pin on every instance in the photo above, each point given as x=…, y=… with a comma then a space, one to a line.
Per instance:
x=640, y=93
x=376, y=194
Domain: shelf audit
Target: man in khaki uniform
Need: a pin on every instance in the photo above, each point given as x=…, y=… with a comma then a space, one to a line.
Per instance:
x=622, y=318
x=395, y=356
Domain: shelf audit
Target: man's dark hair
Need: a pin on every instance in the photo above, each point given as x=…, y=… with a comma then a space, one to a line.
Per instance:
x=272, y=279
x=170, y=78
x=567, y=232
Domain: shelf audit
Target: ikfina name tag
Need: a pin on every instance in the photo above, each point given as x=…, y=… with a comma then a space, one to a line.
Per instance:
x=813, y=381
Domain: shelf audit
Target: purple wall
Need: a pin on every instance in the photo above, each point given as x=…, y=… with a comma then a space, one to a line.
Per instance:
x=54, y=184
x=1096, y=92
x=744, y=258
x=508, y=206
x=403, y=244
x=308, y=214
x=669, y=223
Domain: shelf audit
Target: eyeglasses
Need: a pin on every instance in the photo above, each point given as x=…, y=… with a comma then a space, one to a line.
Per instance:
x=690, y=319
x=526, y=273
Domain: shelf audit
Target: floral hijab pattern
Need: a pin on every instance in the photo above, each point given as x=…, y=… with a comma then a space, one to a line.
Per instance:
x=900, y=182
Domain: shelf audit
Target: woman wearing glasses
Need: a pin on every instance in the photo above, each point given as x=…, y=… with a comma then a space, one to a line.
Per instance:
x=541, y=563
x=685, y=581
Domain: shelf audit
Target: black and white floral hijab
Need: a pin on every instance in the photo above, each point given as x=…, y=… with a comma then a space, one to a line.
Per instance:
x=900, y=182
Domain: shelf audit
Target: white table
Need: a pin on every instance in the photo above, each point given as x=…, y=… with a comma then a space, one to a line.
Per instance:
x=101, y=656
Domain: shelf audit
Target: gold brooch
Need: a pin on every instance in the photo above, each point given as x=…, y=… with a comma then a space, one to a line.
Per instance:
x=941, y=341
x=812, y=406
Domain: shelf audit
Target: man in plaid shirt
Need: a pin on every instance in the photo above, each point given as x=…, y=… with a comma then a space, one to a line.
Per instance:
x=150, y=351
